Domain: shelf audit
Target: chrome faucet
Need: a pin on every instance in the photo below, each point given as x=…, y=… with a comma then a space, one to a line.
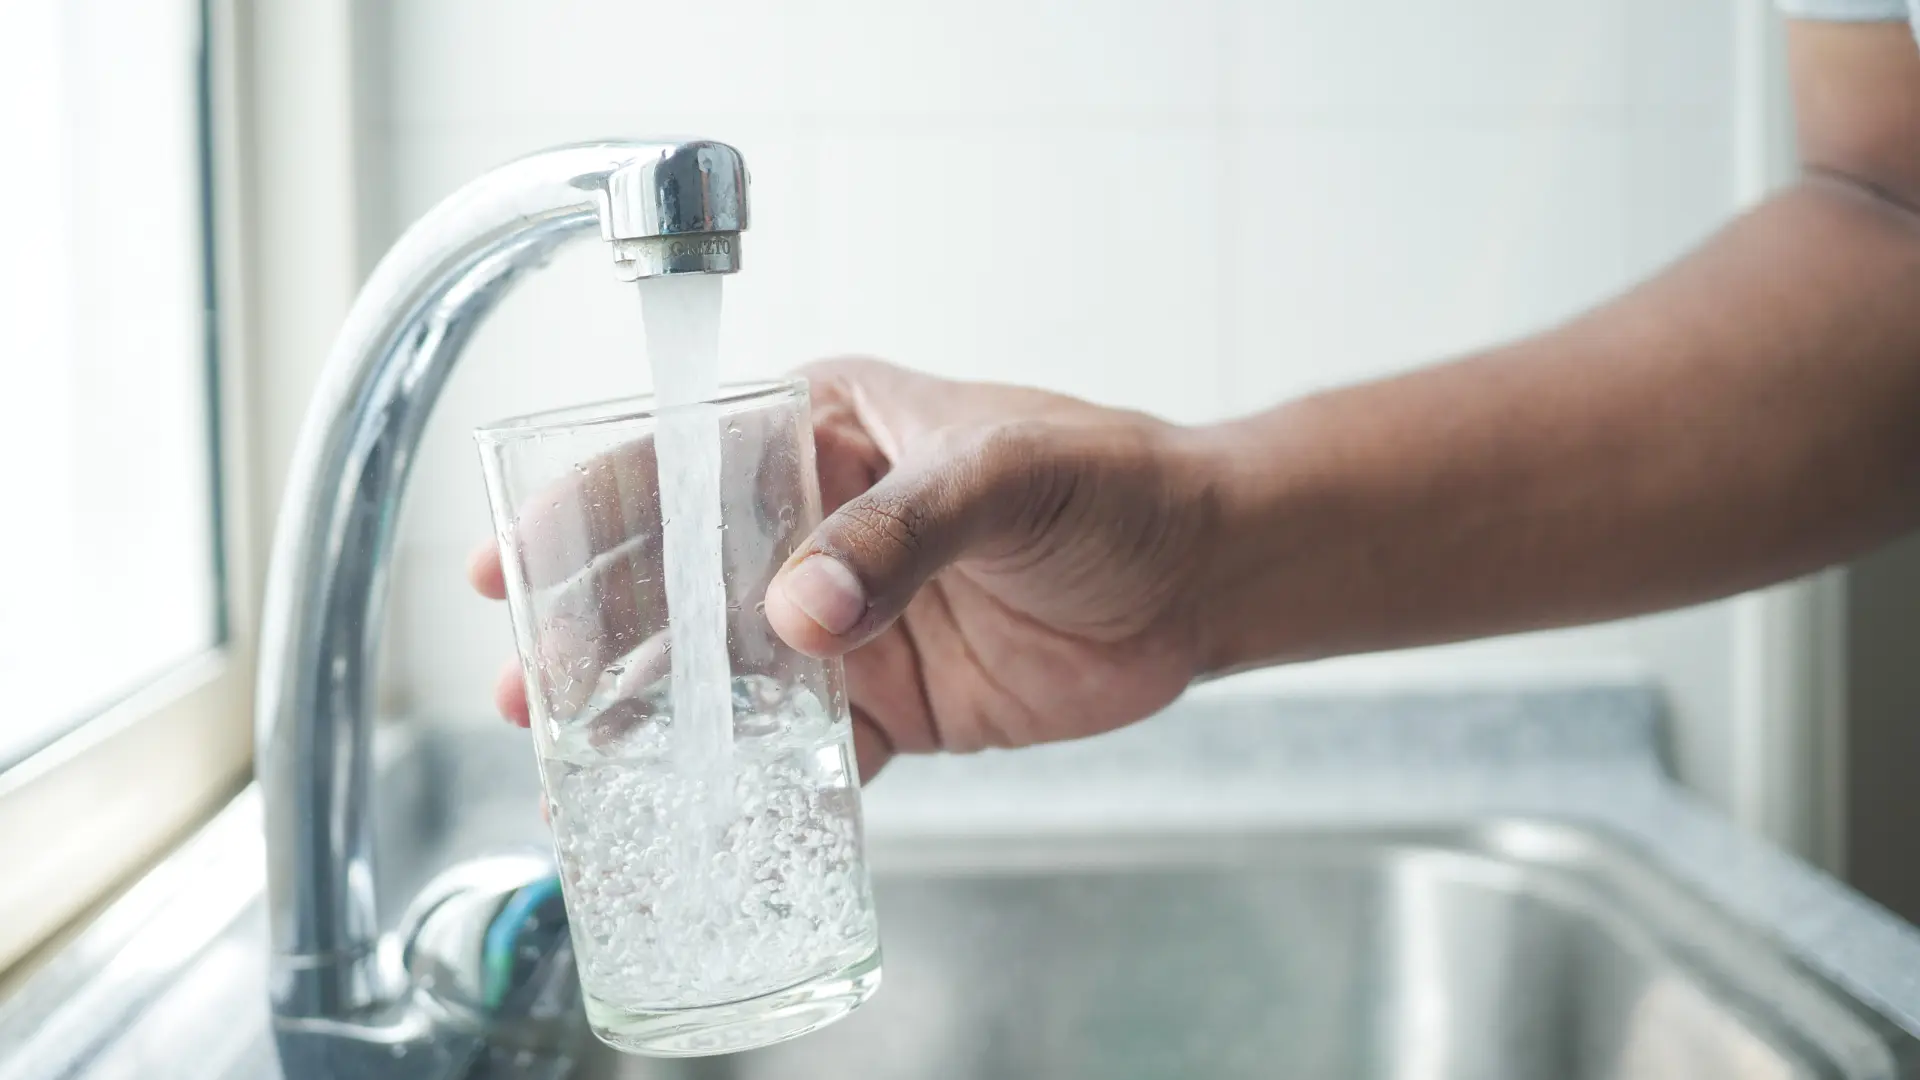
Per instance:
x=348, y=1001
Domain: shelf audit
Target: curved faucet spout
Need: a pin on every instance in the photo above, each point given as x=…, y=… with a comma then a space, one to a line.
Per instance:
x=664, y=207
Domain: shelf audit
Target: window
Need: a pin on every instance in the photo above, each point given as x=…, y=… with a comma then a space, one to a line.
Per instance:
x=124, y=709
x=109, y=440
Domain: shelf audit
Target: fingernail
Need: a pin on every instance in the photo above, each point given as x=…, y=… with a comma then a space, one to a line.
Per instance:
x=827, y=591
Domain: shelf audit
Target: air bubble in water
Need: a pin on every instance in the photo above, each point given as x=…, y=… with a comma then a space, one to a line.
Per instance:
x=782, y=895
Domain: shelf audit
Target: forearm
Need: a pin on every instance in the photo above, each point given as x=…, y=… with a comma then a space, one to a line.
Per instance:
x=1751, y=414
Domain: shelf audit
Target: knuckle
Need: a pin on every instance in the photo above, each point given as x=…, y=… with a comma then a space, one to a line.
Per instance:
x=998, y=446
x=1030, y=470
x=882, y=520
x=1017, y=453
x=999, y=462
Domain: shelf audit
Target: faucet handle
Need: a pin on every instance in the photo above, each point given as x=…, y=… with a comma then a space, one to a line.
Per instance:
x=486, y=945
x=680, y=211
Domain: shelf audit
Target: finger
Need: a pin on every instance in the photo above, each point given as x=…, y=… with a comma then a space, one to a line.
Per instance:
x=846, y=457
x=914, y=402
x=510, y=695
x=850, y=579
x=589, y=624
x=560, y=531
x=485, y=573
x=612, y=497
x=900, y=406
x=871, y=750
x=608, y=502
x=883, y=683
x=611, y=500
x=638, y=672
x=617, y=617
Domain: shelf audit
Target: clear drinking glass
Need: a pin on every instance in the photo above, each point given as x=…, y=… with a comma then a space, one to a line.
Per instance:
x=715, y=886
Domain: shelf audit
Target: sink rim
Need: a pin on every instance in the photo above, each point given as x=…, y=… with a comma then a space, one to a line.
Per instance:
x=1588, y=761
x=1571, y=864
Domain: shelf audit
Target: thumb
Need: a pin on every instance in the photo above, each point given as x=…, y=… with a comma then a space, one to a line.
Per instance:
x=862, y=566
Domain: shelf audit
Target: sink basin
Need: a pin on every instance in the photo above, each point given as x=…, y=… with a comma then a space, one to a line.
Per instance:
x=1511, y=949
x=1333, y=899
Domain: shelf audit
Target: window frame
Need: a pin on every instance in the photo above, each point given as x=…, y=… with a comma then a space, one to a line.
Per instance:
x=84, y=814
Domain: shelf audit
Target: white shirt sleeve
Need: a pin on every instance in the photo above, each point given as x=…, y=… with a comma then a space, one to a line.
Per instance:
x=1852, y=10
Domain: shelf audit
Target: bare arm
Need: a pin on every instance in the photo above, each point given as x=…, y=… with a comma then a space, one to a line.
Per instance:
x=1750, y=414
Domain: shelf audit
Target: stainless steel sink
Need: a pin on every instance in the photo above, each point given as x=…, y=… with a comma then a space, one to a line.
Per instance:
x=1509, y=950
x=1504, y=948
x=1425, y=922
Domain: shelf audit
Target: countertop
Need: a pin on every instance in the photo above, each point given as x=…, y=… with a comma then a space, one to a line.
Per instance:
x=171, y=981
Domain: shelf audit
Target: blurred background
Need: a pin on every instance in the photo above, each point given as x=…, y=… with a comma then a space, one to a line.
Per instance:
x=982, y=190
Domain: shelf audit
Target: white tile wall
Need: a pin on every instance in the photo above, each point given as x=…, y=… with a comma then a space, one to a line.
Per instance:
x=1363, y=251
x=1404, y=63
x=1029, y=62
x=475, y=64
x=1080, y=260
x=991, y=190
x=1680, y=59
